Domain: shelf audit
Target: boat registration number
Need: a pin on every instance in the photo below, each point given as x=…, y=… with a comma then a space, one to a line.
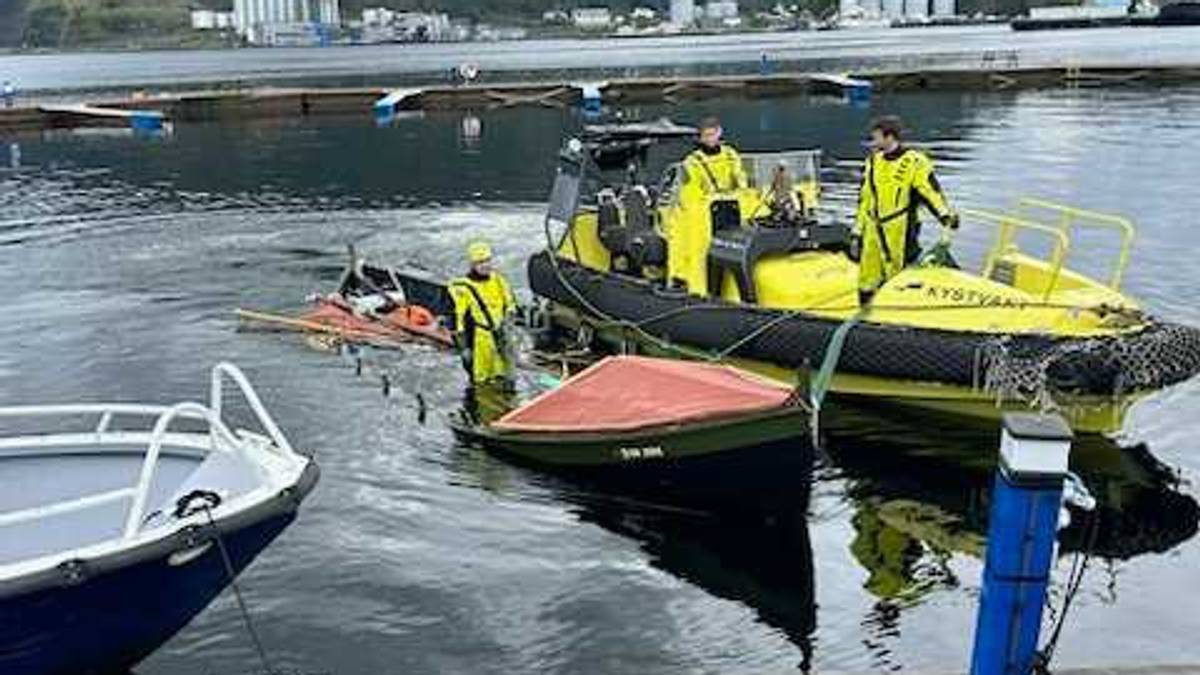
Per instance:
x=643, y=452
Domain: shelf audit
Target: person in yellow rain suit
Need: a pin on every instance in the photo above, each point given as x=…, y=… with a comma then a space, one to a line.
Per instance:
x=483, y=301
x=896, y=182
x=713, y=168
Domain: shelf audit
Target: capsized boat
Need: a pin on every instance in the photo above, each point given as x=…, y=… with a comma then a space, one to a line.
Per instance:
x=644, y=413
x=766, y=284
x=112, y=537
x=379, y=306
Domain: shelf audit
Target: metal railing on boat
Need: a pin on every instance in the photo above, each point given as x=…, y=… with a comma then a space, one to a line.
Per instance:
x=1070, y=217
x=219, y=439
x=1066, y=219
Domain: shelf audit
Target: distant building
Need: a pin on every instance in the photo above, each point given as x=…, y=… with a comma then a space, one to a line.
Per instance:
x=373, y=33
x=460, y=30
x=206, y=19
x=282, y=22
x=289, y=35
x=592, y=18
x=683, y=13
x=329, y=12
x=380, y=24
x=870, y=10
x=378, y=16
x=421, y=27
x=1090, y=11
x=556, y=16
x=719, y=10
x=874, y=8
x=892, y=9
x=643, y=14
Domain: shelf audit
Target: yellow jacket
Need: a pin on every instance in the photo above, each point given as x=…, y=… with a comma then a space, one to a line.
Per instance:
x=721, y=171
x=481, y=307
x=893, y=188
x=690, y=234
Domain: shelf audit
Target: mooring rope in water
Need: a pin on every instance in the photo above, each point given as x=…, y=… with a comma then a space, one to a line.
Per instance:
x=209, y=500
x=1079, y=565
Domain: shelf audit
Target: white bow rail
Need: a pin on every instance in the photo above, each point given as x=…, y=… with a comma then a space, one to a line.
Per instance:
x=220, y=438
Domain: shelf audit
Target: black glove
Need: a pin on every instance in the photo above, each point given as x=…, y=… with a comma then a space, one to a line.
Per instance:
x=950, y=220
x=854, y=250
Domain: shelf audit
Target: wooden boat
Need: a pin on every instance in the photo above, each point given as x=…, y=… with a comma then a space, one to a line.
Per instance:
x=644, y=413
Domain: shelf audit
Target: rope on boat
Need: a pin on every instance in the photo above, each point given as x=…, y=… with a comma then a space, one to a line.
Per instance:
x=824, y=377
x=204, y=500
x=819, y=385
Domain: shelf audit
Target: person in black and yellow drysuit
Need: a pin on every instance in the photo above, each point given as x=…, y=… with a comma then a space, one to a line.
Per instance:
x=483, y=302
x=712, y=168
x=896, y=182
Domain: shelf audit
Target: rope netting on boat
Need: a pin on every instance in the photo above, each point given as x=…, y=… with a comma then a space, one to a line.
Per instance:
x=1036, y=371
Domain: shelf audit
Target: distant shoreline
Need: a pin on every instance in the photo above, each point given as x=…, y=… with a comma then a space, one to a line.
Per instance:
x=534, y=36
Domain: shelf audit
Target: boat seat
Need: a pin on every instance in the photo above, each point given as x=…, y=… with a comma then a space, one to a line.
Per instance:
x=60, y=478
x=633, y=240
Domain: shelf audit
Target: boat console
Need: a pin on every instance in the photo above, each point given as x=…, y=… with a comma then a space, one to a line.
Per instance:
x=736, y=248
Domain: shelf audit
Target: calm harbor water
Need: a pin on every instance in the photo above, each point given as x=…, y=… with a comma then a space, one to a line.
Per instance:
x=123, y=257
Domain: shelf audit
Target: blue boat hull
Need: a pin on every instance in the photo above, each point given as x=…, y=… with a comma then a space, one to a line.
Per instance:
x=107, y=623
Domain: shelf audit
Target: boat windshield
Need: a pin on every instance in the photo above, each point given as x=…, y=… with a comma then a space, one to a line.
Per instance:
x=765, y=172
x=797, y=167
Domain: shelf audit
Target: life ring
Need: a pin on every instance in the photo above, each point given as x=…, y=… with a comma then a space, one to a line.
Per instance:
x=468, y=71
x=414, y=316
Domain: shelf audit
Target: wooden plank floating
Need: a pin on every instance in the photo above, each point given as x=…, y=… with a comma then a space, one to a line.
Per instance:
x=291, y=102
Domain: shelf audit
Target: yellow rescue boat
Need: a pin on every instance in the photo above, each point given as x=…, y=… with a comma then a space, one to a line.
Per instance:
x=767, y=285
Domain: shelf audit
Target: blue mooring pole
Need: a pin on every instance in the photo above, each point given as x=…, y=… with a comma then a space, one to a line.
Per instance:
x=1026, y=501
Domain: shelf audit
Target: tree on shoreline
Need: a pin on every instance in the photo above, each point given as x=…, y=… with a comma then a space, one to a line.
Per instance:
x=68, y=23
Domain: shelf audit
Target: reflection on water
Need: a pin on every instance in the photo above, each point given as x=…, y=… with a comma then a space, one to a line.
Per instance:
x=471, y=131
x=762, y=559
x=918, y=502
x=736, y=527
x=122, y=258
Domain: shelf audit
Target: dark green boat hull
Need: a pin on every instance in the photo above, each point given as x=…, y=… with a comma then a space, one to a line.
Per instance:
x=656, y=447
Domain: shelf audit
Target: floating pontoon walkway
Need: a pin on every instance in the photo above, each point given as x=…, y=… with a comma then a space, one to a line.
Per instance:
x=289, y=102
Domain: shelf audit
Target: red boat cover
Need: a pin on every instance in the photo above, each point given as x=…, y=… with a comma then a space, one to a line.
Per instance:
x=626, y=393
